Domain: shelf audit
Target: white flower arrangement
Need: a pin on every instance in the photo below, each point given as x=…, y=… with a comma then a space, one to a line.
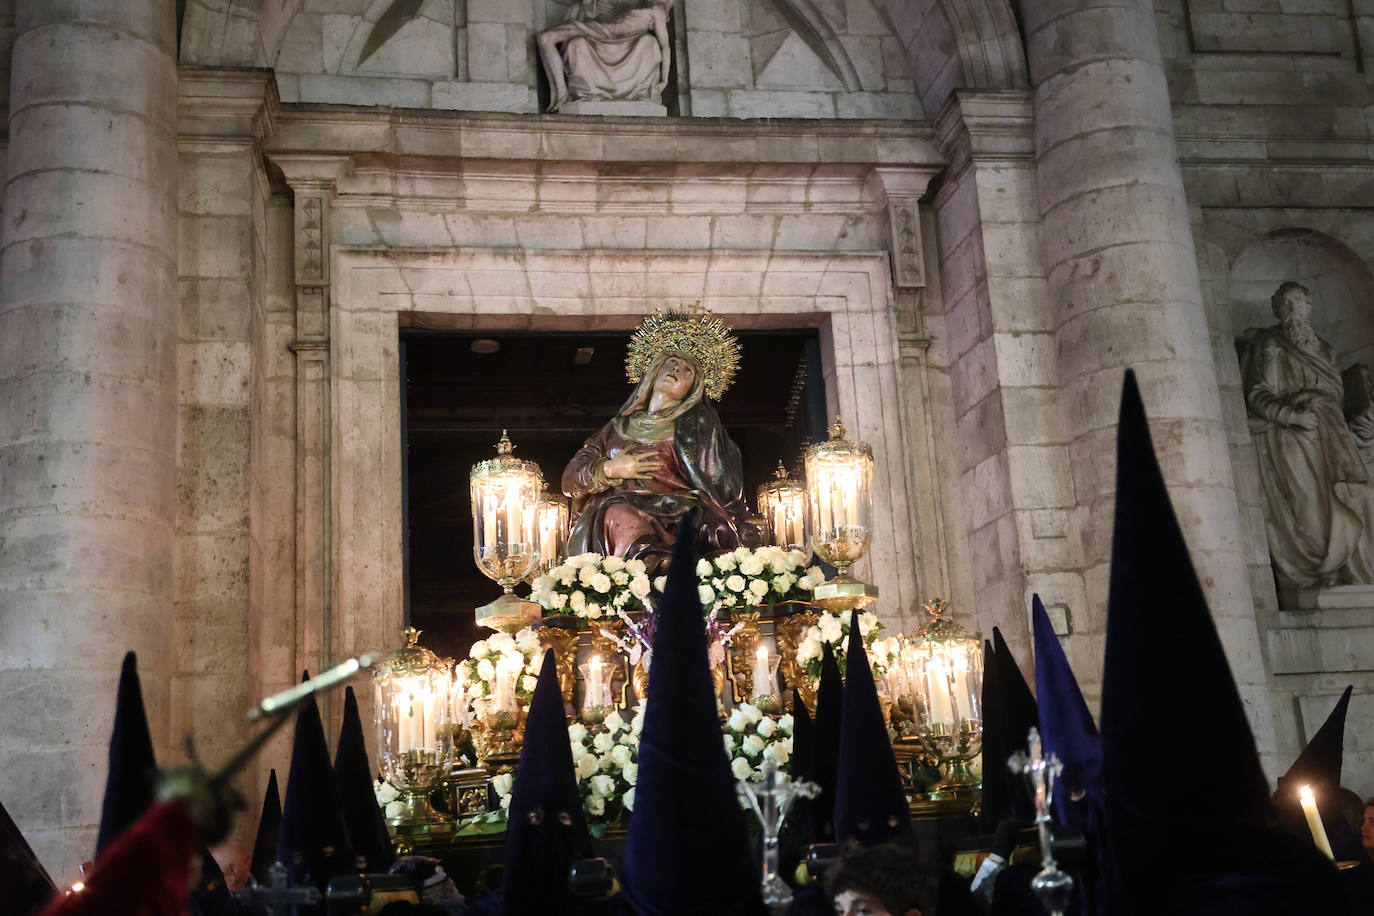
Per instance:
x=834, y=629
x=752, y=577
x=590, y=587
x=607, y=767
x=521, y=652
x=752, y=739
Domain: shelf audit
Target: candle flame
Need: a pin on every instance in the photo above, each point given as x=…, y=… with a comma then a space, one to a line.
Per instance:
x=1306, y=793
x=78, y=887
x=762, y=653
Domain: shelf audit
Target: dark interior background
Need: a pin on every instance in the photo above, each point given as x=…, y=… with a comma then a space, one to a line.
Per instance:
x=551, y=391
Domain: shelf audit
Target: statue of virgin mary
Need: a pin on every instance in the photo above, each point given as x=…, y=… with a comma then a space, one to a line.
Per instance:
x=665, y=452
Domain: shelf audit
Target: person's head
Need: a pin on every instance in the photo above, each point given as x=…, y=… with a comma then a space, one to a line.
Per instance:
x=235, y=862
x=881, y=880
x=1291, y=302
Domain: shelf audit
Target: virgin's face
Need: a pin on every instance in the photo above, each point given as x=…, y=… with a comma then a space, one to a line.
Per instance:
x=675, y=378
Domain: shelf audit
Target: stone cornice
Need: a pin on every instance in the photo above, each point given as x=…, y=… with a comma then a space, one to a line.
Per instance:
x=562, y=138
x=986, y=126
x=226, y=104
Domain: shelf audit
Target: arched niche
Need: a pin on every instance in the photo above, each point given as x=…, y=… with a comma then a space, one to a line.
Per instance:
x=1341, y=283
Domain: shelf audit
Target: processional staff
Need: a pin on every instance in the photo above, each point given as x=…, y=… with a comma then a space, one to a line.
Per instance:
x=1050, y=885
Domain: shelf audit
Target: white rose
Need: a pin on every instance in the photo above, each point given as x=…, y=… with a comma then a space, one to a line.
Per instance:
x=528, y=682
x=577, y=601
x=777, y=752
x=780, y=566
x=620, y=578
x=601, y=582
x=810, y=648
x=759, y=588
x=738, y=721
x=866, y=621
x=386, y=793
x=603, y=742
x=614, y=722
x=585, y=765
x=486, y=670
x=593, y=610
x=629, y=799
x=742, y=552
x=740, y=767
x=596, y=805
x=831, y=628
x=785, y=724
x=586, y=574
x=660, y=583
x=577, y=732
x=621, y=755
x=602, y=785
x=639, y=587
x=559, y=601
x=735, y=583
x=726, y=562
x=613, y=564
x=501, y=642
x=630, y=772
x=566, y=576
x=729, y=745
x=478, y=649
x=751, y=566
x=502, y=783
x=636, y=567
x=750, y=712
x=703, y=567
x=766, y=728
x=705, y=595
x=752, y=745
x=783, y=583
x=398, y=807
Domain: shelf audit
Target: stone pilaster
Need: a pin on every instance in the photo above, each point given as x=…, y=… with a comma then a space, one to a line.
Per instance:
x=1010, y=439
x=1124, y=293
x=88, y=329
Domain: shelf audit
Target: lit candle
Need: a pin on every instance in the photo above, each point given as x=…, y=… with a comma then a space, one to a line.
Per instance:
x=763, y=676
x=488, y=532
x=596, y=683
x=1314, y=821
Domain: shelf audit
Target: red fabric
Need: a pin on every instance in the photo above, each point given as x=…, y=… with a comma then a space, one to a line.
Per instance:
x=145, y=872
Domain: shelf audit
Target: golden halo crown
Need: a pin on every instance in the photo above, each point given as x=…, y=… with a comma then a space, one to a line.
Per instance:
x=694, y=332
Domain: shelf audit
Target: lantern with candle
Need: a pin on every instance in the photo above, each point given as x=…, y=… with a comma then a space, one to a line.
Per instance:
x=598, y=700
x=764, y=681
x=782, y=503
x=505, y=513
x=944, y=663
x=552, y=523
x=839, y=488
x=414, y=732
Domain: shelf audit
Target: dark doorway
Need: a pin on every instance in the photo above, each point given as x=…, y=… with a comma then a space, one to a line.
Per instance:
x=552, y=391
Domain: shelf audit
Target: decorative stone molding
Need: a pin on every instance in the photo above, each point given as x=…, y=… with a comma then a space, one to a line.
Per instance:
x=226, y=103
x=899, y=190
x=986, y=127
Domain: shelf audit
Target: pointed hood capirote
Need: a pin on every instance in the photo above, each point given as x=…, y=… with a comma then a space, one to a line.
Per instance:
x=1018, y=716
x=1185, y=839
x=688, y=850
x=363, y=818
x=1319, y=764
x=1067, y=730
x=269, y=825
x=133, y=768
x=313, y=843
x=825, y=744
x=870, y=805
x=996, y=778
x=547, y=830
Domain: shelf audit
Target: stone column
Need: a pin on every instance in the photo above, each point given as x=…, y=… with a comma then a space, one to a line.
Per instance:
x=88, y=324
x=1124, y=293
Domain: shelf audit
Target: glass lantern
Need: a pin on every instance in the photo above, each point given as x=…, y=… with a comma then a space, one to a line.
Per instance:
x=839, y=488
x=782, y=503
x=414, y=731
x=505, y=532
x=945, y=663
x=552, y=523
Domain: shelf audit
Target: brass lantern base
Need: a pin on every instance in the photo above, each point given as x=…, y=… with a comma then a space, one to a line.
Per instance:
x=844, y=593
x=508, y=613
x=419, y=819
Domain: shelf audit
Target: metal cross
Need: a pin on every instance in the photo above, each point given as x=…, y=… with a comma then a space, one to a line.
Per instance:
x=276, y=893
x=1052, y=886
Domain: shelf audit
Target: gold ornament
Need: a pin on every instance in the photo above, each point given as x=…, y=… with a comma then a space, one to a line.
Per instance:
x=695, y=333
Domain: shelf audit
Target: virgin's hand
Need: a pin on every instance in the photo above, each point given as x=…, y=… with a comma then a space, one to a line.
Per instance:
x=1306, y=420
x=632, y=464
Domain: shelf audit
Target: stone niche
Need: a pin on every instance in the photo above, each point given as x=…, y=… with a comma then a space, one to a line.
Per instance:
x=377, y=290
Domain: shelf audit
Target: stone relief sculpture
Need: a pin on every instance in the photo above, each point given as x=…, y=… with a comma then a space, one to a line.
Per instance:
x=1315, y=483
x=611, y=50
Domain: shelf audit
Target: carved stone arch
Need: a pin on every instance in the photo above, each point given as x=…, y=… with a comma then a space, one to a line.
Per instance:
x=958, y=44
x=810, y=23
